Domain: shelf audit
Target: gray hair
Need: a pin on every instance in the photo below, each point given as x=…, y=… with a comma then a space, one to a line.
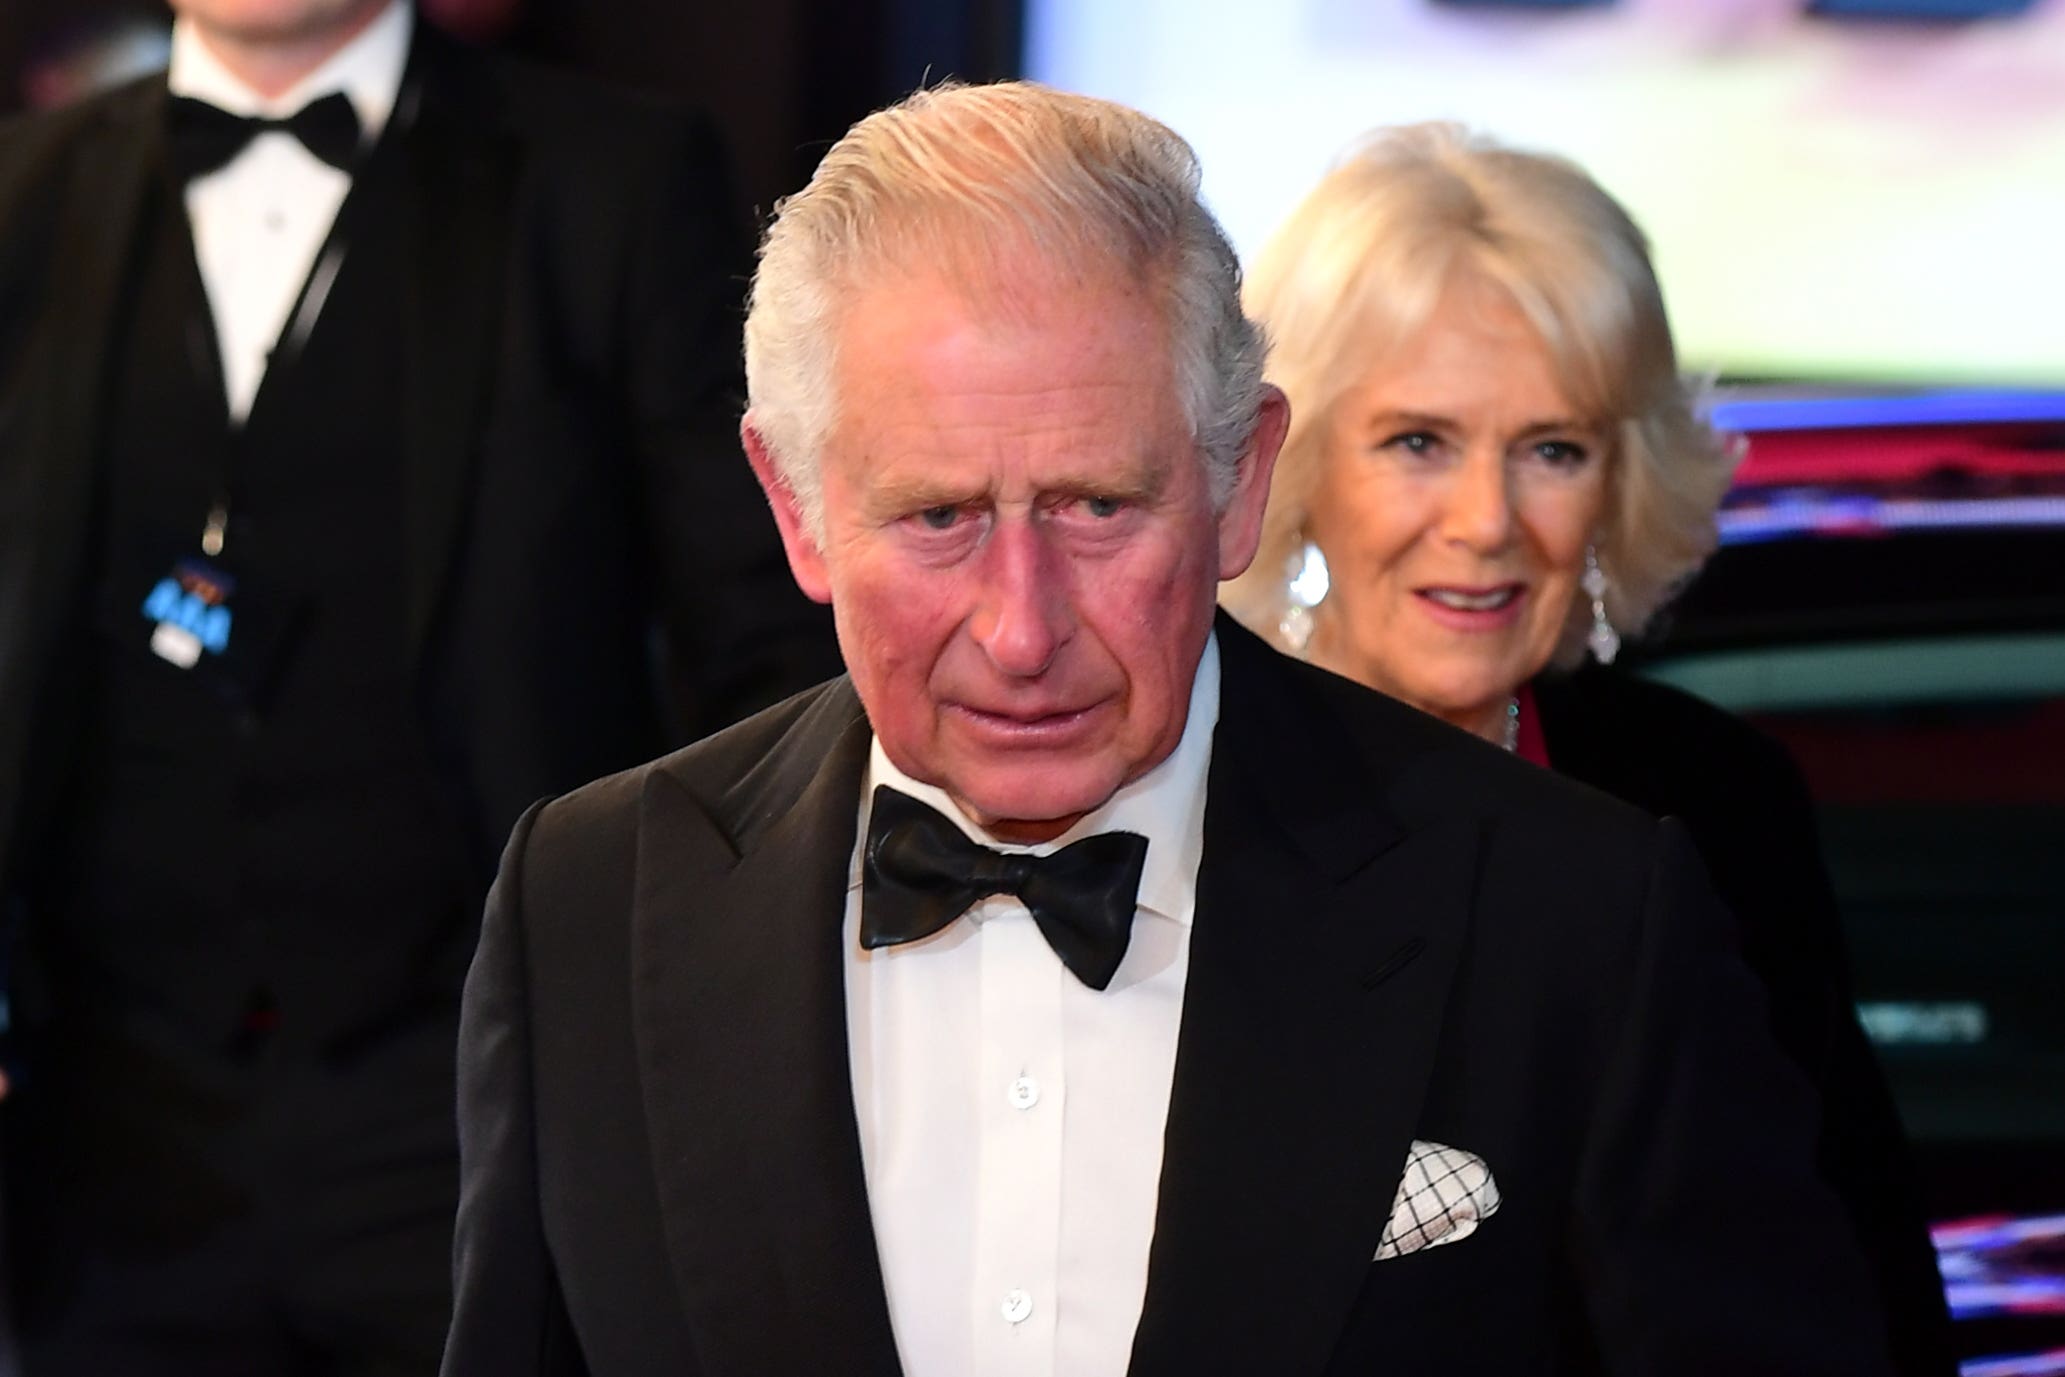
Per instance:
x=1362, y=263
x=945, y=180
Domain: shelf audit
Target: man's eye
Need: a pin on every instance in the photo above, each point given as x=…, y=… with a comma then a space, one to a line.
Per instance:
x=1103, y=508
x=940, y=518
x=1412, y=442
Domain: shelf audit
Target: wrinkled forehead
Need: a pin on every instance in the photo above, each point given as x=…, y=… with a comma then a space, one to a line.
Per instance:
x=1000, y=265
x=1044, y=312
x=1040, y=376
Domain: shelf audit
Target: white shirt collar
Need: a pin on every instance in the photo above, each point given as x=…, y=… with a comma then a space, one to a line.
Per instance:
x=368, y=70
x=1166, y=805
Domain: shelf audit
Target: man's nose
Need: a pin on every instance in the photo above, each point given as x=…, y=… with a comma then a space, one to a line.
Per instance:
x=1024, y=617
x=1478, y=511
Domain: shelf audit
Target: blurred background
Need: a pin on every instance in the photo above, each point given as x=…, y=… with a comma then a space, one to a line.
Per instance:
x=1858, y=211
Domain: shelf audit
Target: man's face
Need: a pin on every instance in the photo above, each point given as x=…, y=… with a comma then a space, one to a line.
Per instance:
x=1020, y=547
x=264, y=22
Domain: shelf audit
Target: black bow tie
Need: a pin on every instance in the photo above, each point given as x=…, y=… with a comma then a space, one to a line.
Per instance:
x=920, y=872
x=205, y=137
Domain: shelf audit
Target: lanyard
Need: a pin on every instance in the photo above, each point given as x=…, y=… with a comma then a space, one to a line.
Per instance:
x=203, y=342
x=205, y=351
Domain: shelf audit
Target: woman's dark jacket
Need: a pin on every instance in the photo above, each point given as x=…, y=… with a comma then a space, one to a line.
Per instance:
x=1748, y=810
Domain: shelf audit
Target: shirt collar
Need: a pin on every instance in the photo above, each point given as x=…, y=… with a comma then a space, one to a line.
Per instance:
x=1166, y=805
x=368, y=70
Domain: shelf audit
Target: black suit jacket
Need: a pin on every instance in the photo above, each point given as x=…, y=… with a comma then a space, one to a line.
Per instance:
x=1749, y=813
x=1401, y=933
x=574, y=481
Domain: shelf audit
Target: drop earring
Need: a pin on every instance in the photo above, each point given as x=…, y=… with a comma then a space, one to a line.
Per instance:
x=1305, y=587
x=1602, y=640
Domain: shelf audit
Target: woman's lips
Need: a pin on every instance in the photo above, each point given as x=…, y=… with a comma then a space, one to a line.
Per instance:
x=1463, y=607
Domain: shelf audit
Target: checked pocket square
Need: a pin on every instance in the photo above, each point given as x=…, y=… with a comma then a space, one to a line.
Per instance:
x=1442, y=1197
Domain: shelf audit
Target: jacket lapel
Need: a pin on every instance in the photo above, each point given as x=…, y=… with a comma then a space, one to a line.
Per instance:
x=740, y=1007
x=459, y=186
x=47, y=475
x=1326, y=936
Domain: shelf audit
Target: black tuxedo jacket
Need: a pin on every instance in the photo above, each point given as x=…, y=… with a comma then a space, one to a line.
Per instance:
x=574, y=481
x=1401, y=933
x=1749, y=813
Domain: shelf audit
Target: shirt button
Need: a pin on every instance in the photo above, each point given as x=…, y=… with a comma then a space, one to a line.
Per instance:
x=1017, y=1307
x=1024, y=1093
x=275, y=221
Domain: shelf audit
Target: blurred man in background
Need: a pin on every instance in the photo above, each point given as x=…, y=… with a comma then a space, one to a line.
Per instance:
x=368, y=469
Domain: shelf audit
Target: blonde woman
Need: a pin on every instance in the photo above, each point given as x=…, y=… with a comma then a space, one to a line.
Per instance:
x=1495, y=463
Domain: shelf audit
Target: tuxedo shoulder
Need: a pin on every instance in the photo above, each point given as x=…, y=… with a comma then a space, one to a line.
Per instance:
x=1338, y=746
x=710, y=771
x=27, y=139
x=575, y=859
x=725, y=757
x=42, y=156
x=1645, y=704
x=37, y=128
x=1620, y=726
x=1438, y=769
x=38, y=147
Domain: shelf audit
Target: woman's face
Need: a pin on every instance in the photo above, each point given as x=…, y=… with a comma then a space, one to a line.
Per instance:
x=1457, y=491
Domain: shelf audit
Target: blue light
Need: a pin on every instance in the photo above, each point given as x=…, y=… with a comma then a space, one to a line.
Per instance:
x=1909, y=409
x=1921, y=9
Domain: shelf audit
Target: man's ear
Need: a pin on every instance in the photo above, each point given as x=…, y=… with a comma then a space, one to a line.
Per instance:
x=1240, y=522
x=806, y=560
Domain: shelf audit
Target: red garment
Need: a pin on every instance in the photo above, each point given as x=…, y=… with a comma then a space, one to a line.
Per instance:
x=1529, y=744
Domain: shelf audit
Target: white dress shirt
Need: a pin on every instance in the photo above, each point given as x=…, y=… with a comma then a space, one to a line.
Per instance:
x=1011, y=1118
x=260, y=220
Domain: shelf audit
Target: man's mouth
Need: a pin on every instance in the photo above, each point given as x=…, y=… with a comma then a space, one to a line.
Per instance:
x=1032, y=724
x=1020, y=717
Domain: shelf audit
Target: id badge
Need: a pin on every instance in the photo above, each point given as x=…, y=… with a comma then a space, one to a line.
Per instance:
x=190, y=612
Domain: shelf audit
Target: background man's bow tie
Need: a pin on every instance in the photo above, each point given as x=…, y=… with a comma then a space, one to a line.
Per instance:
x=920, y=872
x=205, y=137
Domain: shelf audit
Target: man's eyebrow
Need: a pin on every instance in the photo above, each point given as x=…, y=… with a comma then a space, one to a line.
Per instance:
x=1133, y=485
x=917, y=492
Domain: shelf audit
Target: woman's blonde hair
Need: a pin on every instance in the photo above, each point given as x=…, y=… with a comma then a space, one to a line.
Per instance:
x=1365, y=260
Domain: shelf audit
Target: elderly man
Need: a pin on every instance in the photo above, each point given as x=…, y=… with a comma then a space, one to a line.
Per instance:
x=1079, y=987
